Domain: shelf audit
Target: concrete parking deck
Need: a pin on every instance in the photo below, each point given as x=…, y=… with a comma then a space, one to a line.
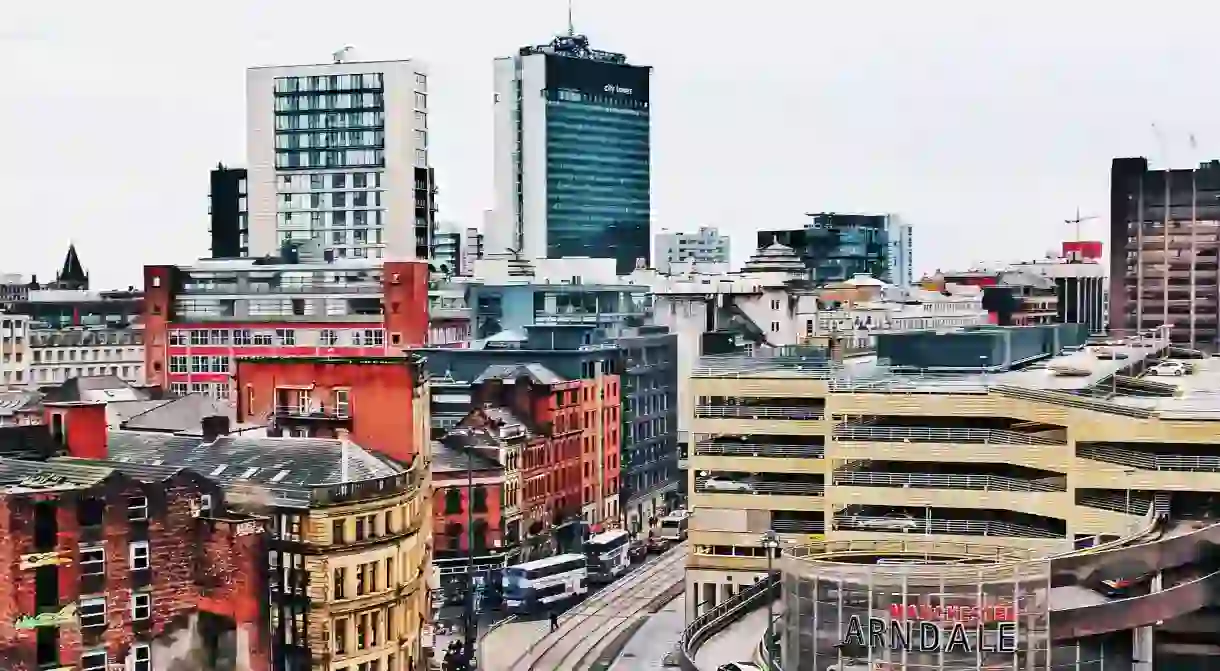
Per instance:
x=737, y=643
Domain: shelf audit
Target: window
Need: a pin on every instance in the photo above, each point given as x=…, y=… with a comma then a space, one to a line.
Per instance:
x=178, y=364
x=360, y=584
x=774, y=304
x=92, y=560
x=342, y=404
x=177, y=338
x=286, y=336
x=775, y=327
x=360, y=533
x=92, y=612
x=141, y=657
x=329, y=337
x=340, y=582
x=138, y=555
x=141, y=605
x=137, y=508
x=341, y=636
x=94, y=660
x=241, y=337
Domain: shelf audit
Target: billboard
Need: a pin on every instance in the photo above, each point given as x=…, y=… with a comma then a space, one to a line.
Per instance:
x=1082, y=250
x=596, y=78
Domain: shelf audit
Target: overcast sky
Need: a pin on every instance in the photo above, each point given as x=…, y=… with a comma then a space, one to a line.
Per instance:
x=984, y=128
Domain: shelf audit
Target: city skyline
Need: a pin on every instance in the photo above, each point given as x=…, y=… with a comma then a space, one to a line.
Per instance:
x=1042, y=119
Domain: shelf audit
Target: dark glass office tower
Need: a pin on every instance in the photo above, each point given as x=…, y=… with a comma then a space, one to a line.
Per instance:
x=572, y=154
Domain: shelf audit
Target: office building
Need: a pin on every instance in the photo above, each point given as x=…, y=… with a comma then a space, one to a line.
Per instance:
x=1163, y=250
x=228, y=212
x=704, y=246
x=339, y=153
x=572, y=155
x=197, y=318
x=472, y=249
x=836, y=247
x=448, y=250
x=1080, y=284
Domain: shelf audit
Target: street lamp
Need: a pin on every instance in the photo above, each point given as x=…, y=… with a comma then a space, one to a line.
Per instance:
x=770, y=541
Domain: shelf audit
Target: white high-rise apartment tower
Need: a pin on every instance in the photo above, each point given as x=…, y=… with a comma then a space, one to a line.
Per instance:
x=706, y=245
x=339, y=152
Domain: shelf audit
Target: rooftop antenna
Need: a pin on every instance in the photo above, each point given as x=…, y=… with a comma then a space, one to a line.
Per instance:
x=341, y=55
x=571, y=25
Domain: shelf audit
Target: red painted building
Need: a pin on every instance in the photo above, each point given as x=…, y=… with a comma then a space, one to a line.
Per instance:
x=380, y=402
x=198, y=318
x=106, y=564
x=467, y=488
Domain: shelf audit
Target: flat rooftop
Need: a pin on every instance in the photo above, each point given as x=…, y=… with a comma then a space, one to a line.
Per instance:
x=1099, y=372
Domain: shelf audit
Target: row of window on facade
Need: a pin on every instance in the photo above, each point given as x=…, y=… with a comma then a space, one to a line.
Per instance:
x=86, y=354
x=330, y=199
x=278, y=337
x=339, y=180
x=327, y=102
x=341, y=158
x=334, y=219
x=217, y=390
x=367, y=578
x=347, y=82
x=306, y=121
x=61, y=373
x=99, y=660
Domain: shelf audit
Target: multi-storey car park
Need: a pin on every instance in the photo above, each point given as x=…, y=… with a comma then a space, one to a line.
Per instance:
x=1026, y=441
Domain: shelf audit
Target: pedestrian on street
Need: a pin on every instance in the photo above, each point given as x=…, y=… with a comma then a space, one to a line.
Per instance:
x=554, y=620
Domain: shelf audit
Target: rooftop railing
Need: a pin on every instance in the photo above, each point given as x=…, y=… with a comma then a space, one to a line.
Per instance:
x=944, y=481
x=919, y=434
x=264, y=289
x=759, y=412
x=710, y=448
x=939, y=526
x=734, y=365
x=1149, y=462
x=772, y=487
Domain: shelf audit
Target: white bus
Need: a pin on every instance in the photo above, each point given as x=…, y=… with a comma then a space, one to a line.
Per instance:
x=544, y=583
x=673, y=527
x=606, y=555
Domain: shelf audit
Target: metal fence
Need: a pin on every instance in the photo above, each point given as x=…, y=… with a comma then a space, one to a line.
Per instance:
x=1071, y=401
x=723, y=615
x=783, y=487
x=919, y=434
x=1119, y=503
x=936, y=526
x=943, y=481
x=1149, y=462
x=711, y=448
x=759, y=412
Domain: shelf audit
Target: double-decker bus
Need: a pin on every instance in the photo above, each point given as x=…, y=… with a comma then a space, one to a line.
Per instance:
x=606, y=554
x=544, y=583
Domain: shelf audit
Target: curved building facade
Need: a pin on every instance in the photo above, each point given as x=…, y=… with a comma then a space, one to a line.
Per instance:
x=927, y=604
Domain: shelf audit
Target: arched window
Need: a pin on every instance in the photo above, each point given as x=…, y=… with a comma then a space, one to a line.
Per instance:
x=453, y=535
x=480, y=499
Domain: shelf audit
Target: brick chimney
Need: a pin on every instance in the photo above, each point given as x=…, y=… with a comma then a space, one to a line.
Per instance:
x=213, y=427
x=79, y=427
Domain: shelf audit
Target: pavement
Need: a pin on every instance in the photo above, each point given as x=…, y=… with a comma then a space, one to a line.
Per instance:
x=737, y=643
x=655, y=639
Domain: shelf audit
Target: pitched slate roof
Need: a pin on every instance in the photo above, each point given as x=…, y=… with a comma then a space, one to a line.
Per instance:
x=285, y=469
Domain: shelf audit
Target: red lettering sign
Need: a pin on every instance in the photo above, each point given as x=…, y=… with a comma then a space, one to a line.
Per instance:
x=996, y=613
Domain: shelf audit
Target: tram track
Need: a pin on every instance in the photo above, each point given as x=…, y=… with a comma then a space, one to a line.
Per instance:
x=600, y=618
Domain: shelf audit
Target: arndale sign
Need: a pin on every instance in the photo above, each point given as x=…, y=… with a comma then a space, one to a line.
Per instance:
x=942, y=629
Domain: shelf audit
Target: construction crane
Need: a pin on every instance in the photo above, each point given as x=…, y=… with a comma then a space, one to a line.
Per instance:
x=1077, y=221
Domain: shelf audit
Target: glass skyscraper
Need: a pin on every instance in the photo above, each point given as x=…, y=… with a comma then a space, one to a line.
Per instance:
x=572, y=155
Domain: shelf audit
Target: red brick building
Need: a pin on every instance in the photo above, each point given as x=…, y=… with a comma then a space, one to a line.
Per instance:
x=467, y=490
x=198, y=318
x=108, y=563
x=381, y=402
x=569, y=457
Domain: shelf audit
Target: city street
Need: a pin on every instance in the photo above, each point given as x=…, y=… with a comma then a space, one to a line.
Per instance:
x=585, y=629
